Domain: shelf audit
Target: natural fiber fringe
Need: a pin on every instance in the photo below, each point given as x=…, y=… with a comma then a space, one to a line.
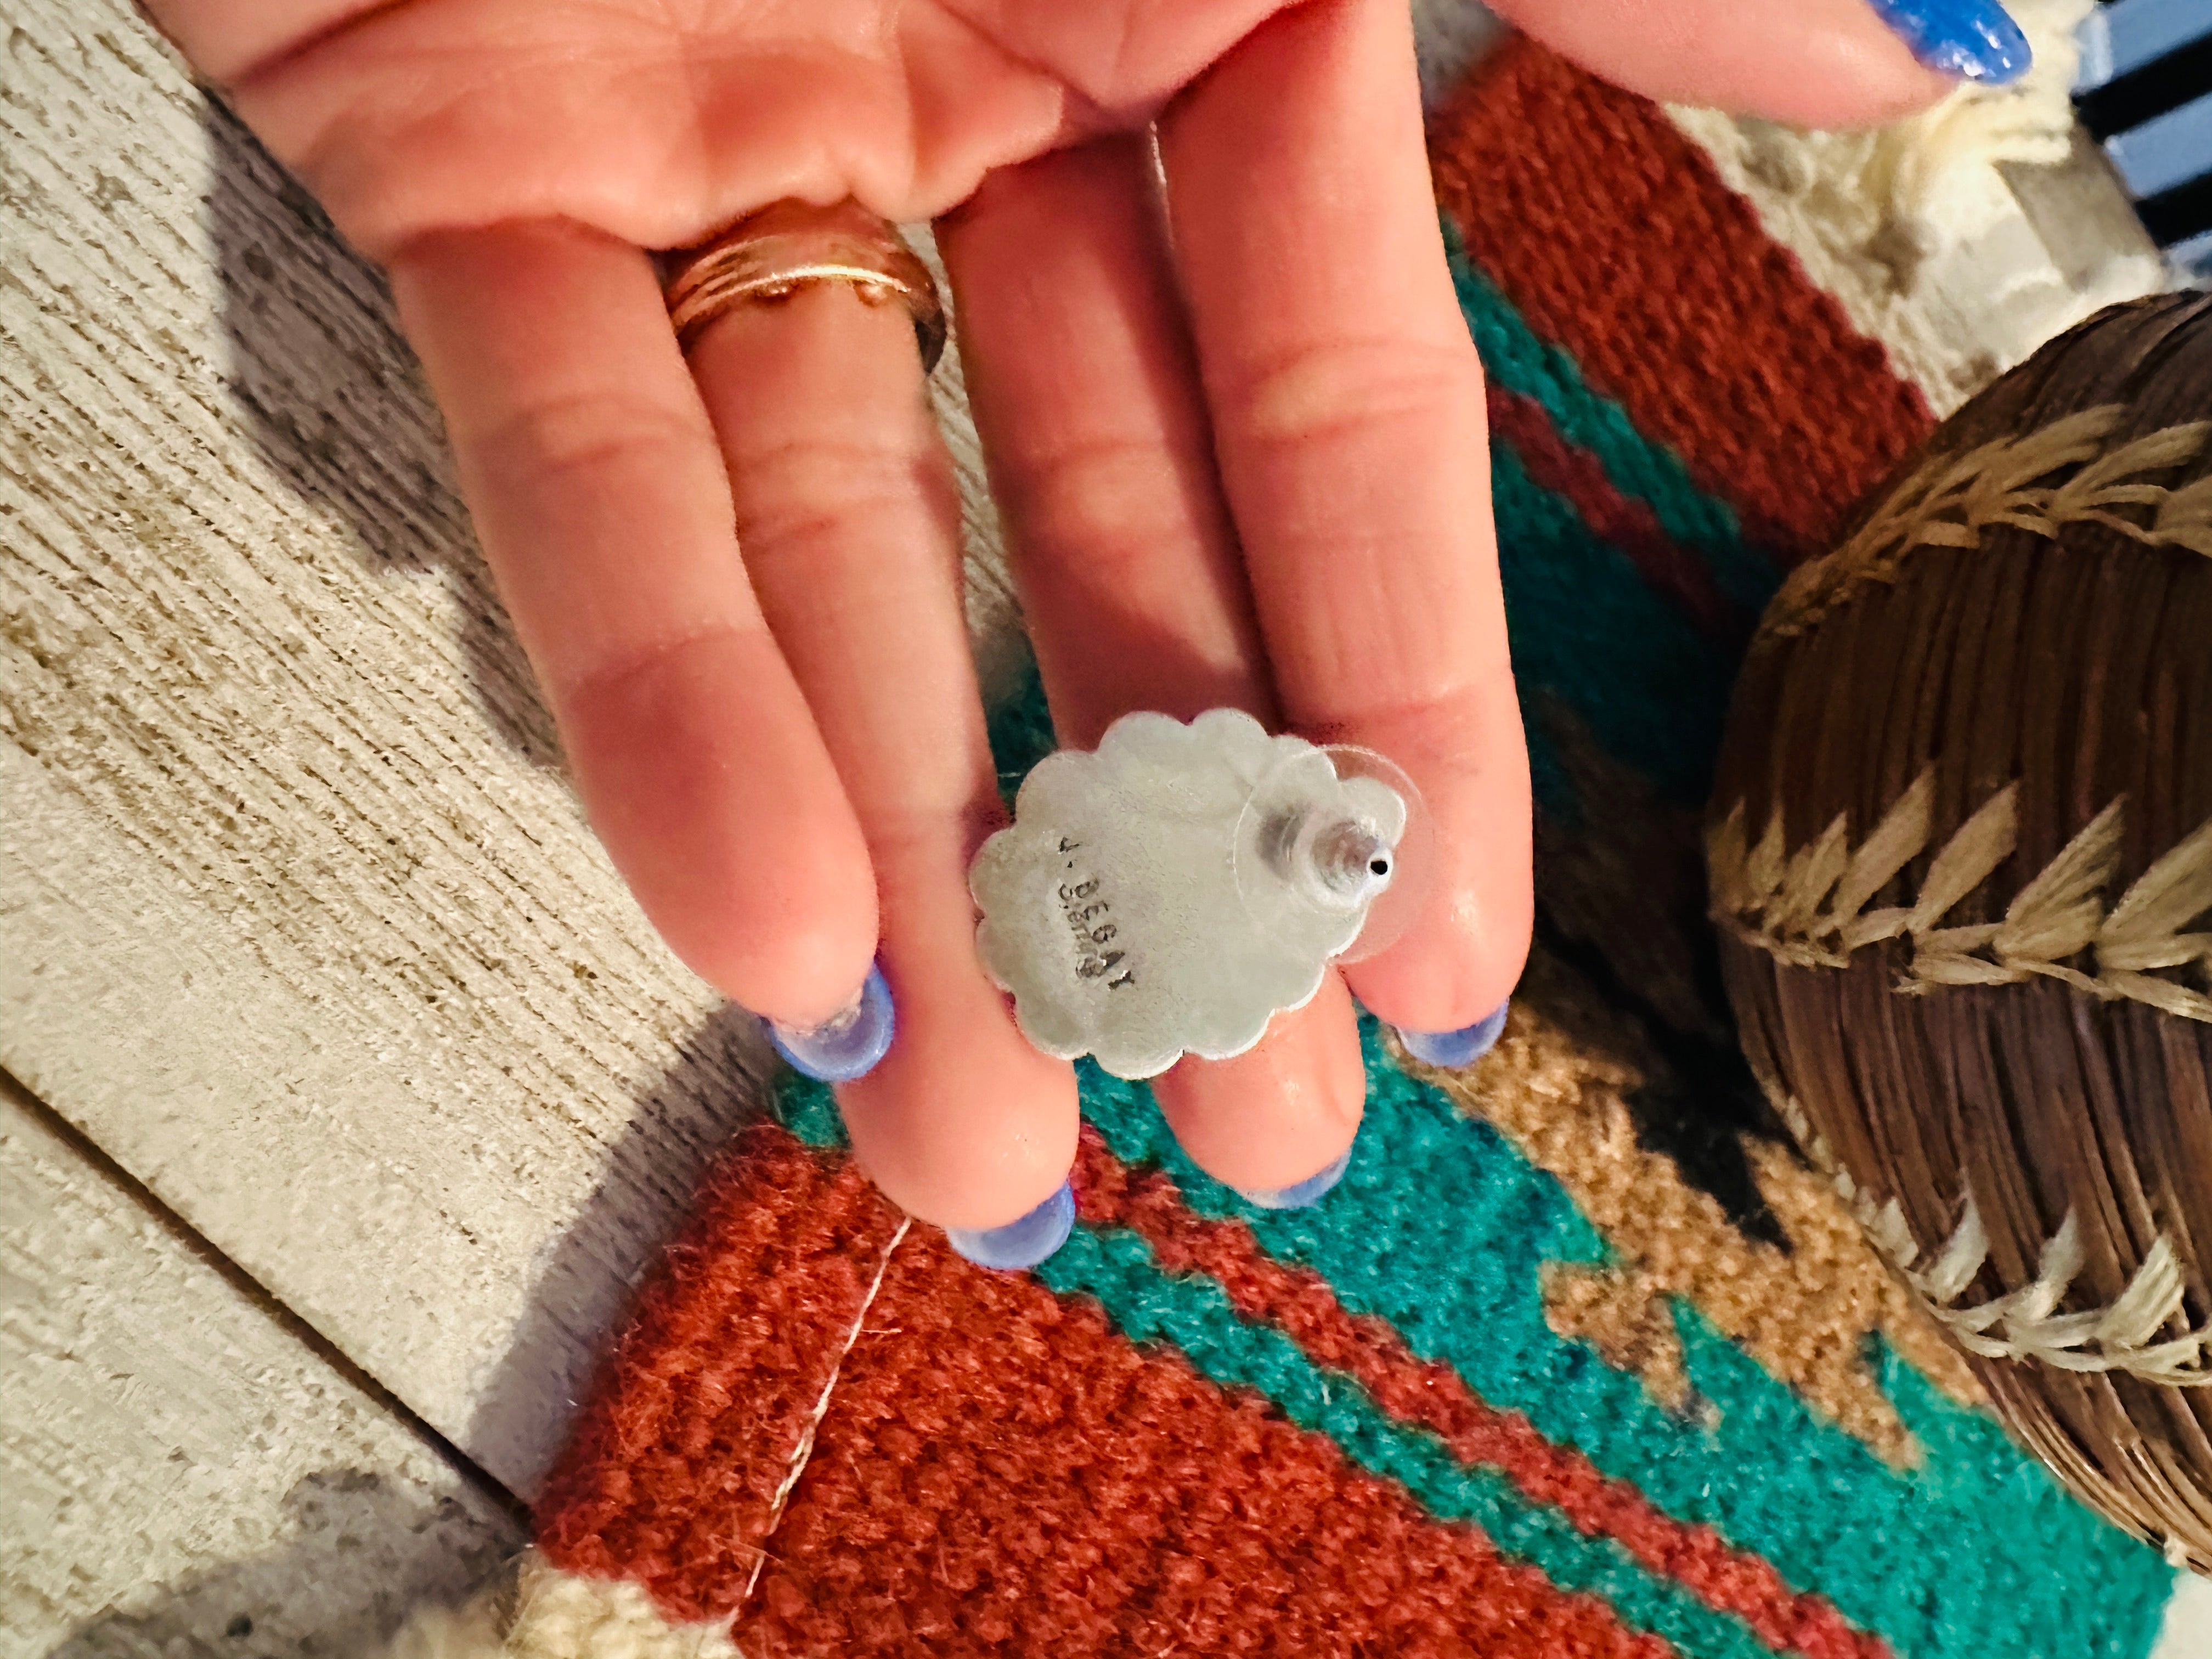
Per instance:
x=539, y=1612
x=1874, y=215
x=1952, y=499
x=1808, y=910
x=2025, y=1323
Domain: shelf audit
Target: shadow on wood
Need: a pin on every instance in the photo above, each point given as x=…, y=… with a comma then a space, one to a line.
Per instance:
x=580, y=1292
x=331, y=393
x=366, y=1551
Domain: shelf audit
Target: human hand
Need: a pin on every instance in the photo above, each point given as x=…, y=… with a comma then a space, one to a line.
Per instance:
x=1251, y=474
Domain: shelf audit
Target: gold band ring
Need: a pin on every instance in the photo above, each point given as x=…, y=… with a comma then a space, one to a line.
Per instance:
x=769, y=256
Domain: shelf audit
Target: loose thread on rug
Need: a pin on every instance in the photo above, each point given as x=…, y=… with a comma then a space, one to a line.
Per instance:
x=805, y=1450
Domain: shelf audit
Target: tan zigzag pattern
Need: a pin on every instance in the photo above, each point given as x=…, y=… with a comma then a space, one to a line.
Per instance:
x=1952, y=499
x=2025, y=1323
x=1809, y=909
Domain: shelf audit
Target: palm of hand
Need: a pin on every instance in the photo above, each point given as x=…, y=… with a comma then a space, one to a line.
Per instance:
x=659, y=121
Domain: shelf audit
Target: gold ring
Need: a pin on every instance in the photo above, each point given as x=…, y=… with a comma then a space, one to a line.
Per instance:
x=769, y=256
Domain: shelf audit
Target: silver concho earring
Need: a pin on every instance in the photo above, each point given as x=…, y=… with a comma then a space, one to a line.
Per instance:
x=1173, y=890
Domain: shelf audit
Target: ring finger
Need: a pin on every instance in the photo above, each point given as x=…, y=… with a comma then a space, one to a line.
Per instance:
x=1348, y=410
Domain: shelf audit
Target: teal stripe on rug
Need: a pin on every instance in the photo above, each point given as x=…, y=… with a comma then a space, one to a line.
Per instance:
x=1975, y=1554
x=1441, y=1228
x=1583, y=625
x=1194, y=1315
x=1517, y=358
x=1582, y=622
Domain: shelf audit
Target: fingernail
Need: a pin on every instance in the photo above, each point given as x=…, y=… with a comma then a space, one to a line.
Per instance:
x=1022, y=1243
x=1973, y=40
x=1301, y=1194
x=1450, y=1050
x=845, y=1048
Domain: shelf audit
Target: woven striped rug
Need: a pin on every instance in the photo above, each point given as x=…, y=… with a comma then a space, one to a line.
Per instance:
x=1578, y=1359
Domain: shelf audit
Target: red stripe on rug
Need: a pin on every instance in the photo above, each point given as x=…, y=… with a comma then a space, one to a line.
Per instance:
x=1302, y=1305
x=1615, y=237
x=1625, y=522
x=670, y=1473
x=994, y=1471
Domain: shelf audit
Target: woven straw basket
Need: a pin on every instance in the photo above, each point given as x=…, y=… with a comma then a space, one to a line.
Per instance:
x=1961, y=858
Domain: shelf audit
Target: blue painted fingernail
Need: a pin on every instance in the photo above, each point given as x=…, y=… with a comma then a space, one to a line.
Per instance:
x=1022, y=1243
x=1973, y=40
x=1301, y=1194
x=847, y=1046
x=1450, y=1050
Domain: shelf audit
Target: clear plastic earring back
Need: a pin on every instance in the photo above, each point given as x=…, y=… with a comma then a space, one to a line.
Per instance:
x=1366, y=844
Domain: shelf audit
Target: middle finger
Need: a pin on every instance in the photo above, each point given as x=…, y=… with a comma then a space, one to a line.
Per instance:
x=1086, y=398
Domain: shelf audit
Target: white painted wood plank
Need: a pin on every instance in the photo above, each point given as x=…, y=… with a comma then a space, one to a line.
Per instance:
x=182, y=1473
x=362, y=1183
x=302, y=924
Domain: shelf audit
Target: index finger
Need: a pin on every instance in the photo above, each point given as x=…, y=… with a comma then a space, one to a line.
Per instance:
x=1348, y=419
